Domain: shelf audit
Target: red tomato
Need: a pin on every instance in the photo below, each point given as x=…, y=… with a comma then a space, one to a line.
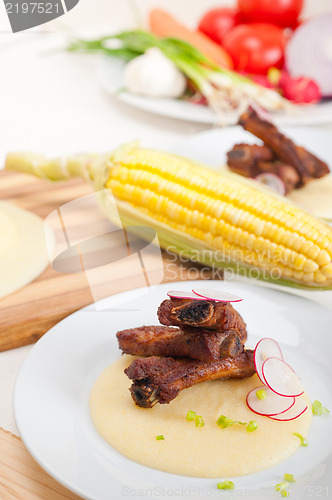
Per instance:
x=281, y=12
x=255, y=48
x=217, y=22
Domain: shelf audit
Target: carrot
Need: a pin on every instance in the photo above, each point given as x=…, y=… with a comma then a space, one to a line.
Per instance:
x=164, y=25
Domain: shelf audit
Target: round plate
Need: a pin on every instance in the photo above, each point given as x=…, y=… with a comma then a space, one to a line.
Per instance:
x=111, y=78
x=51, y=397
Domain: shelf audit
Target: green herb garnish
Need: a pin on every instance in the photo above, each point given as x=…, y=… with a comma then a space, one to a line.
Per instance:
x=191, y=415
x=261, y=394
x=252, y=426
x=304, y=442
x=199, y=422
x=281, y=486
x=226, y=485
x=160, y=438
x=224, y=422
x=289, y=478
x=318, y=409
x=284, y=493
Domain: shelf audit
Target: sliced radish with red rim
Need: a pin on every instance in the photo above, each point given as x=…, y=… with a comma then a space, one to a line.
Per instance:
x=183, y=295
x=272, y=181
x=294, y=412
x=266, y=348
x=273, y=404
x=281, y=378
x=216, y=295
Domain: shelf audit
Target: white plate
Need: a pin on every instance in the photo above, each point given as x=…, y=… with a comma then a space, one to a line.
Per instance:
x=52, y=394
x=111, y=78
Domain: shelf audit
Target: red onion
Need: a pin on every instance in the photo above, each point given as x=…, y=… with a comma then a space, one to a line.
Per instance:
x=309, y=52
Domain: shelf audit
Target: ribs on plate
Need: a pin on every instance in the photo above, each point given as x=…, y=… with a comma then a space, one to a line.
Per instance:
x=160, y=379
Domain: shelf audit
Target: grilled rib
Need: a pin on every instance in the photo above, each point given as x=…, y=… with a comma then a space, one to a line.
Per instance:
x=201, y=313
x=160, y=379
x=306, y=164
x=243, y=158
x=196, y=343
x=251, y=160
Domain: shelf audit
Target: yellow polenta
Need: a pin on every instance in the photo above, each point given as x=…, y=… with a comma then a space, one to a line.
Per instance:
x=207, y=451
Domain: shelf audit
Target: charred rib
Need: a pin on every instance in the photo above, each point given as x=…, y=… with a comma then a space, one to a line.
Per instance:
x=201, y=313
x=162, y=378
x=201, y=344
x=306, y=164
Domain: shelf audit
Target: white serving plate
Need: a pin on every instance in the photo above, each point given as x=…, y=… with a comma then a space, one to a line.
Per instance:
x=51, y=397
x=110, y=73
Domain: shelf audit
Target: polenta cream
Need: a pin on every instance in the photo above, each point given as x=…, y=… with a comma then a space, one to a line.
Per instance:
x=208, y=451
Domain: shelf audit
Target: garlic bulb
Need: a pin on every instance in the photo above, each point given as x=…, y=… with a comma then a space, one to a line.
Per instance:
x=153, y=74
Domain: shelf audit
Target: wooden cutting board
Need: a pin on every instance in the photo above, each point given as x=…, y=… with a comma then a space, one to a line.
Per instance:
x=28, y=313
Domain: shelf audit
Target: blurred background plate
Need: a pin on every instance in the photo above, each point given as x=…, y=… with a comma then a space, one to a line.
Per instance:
x=110, y=73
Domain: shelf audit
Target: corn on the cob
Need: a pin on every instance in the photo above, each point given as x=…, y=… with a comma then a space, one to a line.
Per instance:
x=195, y=209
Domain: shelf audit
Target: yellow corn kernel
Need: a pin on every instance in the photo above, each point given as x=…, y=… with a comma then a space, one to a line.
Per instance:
x=319, y=277
x=323, y=258
x=327, y=270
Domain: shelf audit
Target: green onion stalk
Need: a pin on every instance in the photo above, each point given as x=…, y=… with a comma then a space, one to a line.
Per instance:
x=228, y=93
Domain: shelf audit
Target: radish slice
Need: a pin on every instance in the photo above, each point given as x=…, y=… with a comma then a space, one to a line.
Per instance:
x=184, y=295
x=273, y=404
x=272, y=181
x=266, y=348
x=281, y=378
x=294, y=412
x=217, y=295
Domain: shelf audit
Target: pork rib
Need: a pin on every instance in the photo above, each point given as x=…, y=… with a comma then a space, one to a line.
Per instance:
x=201, y=344
x=306, y=164
x=203, y=314
x=160, y=379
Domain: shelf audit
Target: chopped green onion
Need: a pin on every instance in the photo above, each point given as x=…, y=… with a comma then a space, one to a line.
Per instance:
x=318, y=409
x=224, y=422
x=284, y=493
x=304, y=442
x=281, y=486
x=261, y=394
x=289, y=477
x=226, y=485
x=191, y=415
x=160, y=438
x=252, y=426
x=199, y=422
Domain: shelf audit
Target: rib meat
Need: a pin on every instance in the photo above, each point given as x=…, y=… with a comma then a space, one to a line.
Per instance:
x=243, y=159
x=306, y=164
x=201, y=344
x=252, y=160
x=201, y=313
x=160, y=379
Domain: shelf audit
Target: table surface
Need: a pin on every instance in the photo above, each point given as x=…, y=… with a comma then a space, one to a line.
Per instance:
x=51, y=102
